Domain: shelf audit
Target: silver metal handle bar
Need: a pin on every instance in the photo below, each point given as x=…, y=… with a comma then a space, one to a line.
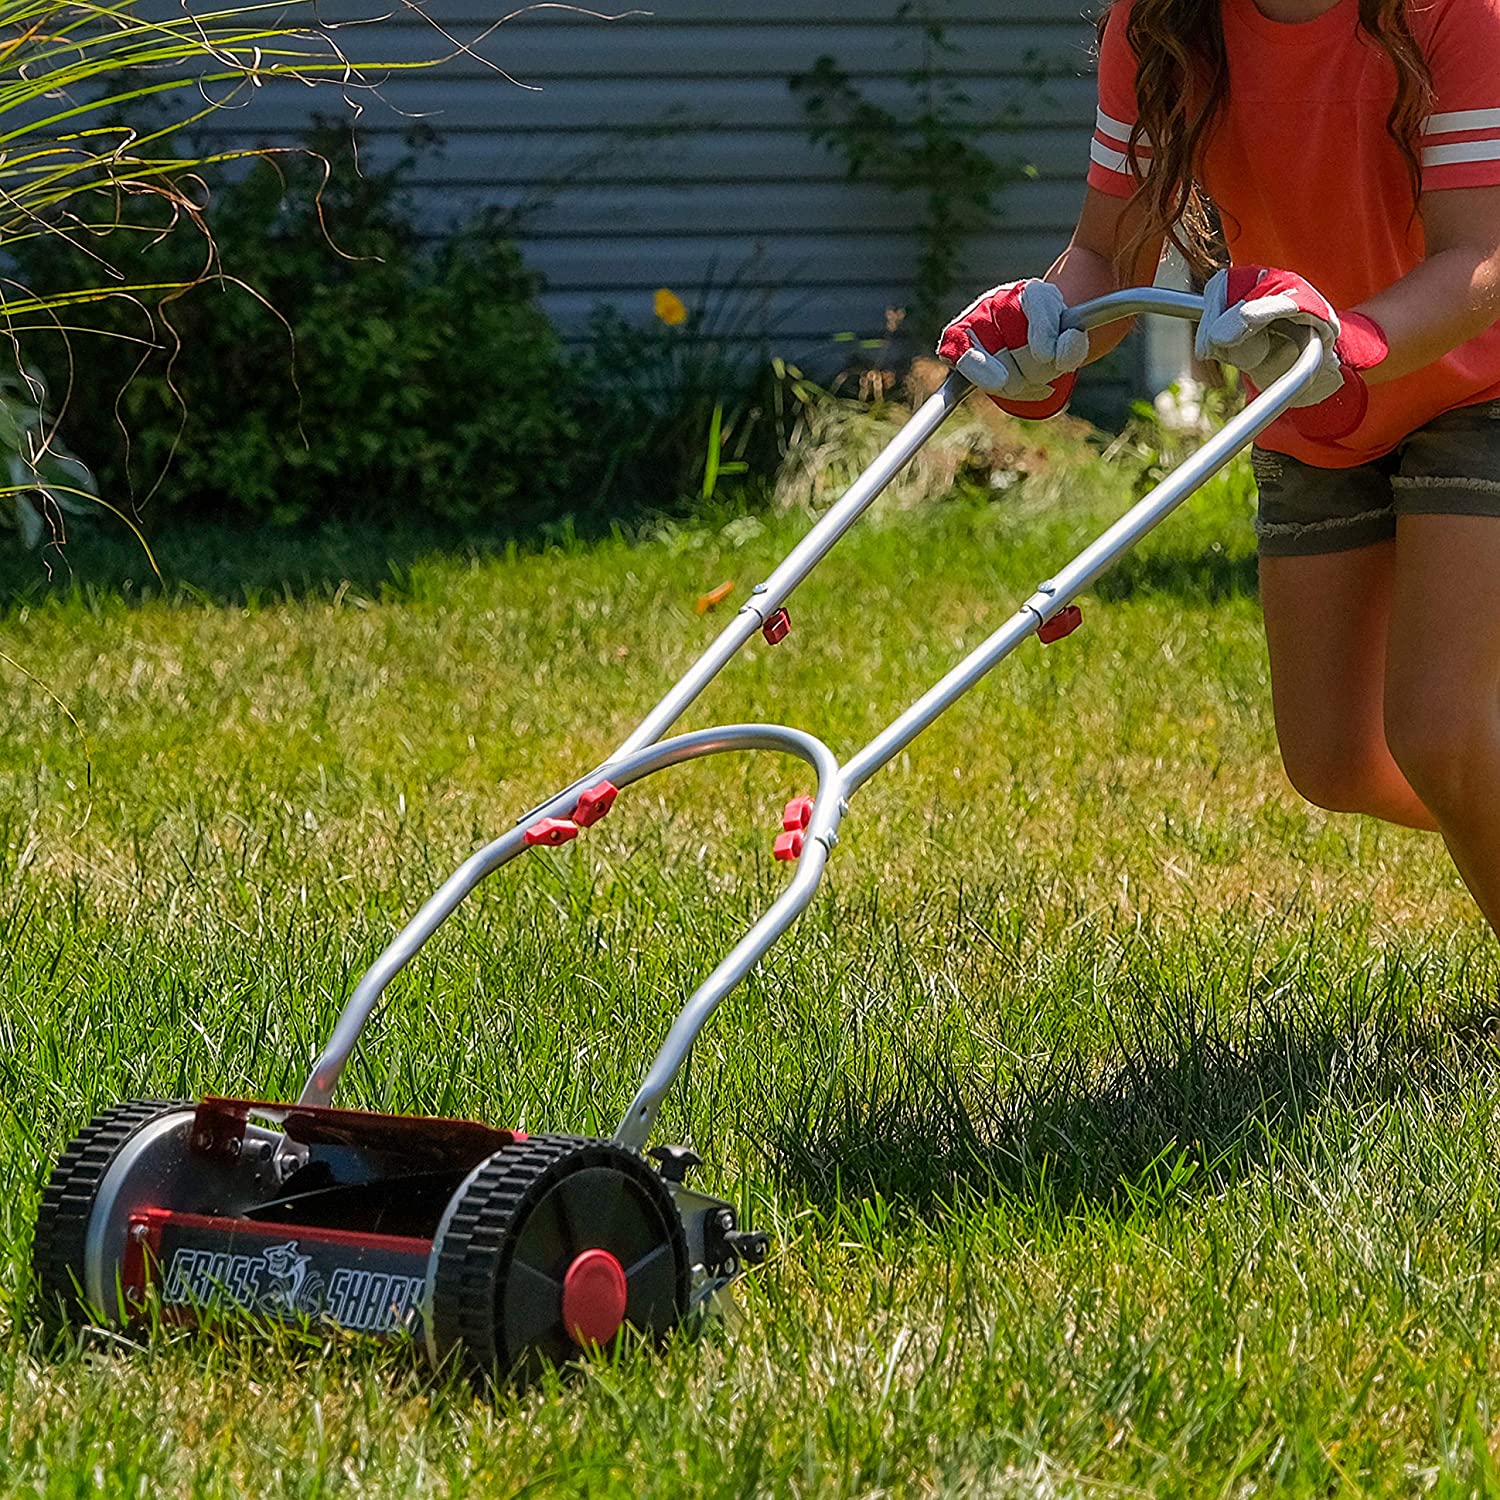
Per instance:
x=1114, y=307
x=822, y=834
x=767, y=597
x=632, y=760
x=1051, y=597
x=644, y=753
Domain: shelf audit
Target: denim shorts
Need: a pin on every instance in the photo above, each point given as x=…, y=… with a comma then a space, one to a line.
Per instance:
x=1450, y=467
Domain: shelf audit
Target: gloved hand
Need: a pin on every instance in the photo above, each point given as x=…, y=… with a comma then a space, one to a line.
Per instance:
x=1250, y=314
x=1012, y=345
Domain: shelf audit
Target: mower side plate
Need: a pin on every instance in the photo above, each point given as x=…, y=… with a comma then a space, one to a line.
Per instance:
x=366, y=1283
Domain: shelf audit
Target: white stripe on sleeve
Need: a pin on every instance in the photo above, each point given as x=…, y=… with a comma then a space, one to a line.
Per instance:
x=1119, y=130
x=1461, y=119
x=1115, y=161
x=1462, y=151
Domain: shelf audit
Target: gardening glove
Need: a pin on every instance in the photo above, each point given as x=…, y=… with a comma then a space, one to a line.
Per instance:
x=1249, y=320
x=1012, y=345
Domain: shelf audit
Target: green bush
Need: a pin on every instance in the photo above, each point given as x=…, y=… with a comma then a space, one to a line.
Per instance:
x=331, y=364
x=687, y=411
x=43, y=484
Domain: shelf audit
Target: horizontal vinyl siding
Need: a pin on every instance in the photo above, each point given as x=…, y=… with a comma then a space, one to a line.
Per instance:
x=669, y=150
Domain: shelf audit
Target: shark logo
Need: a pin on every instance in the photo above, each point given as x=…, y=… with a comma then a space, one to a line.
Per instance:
x=279, y=1280
x=286, y=1268
x=289, y=1286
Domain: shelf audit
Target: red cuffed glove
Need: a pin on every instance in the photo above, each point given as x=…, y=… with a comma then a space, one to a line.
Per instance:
x=1250, y=314
x=1012, y=345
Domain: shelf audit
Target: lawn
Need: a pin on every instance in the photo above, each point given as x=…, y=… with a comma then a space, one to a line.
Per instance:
x=1123, y=1125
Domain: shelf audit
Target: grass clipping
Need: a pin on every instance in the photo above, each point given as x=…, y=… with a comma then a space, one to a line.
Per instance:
x=979, y=447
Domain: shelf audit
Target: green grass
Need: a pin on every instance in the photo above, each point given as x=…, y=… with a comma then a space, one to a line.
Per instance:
x=1124, y=1126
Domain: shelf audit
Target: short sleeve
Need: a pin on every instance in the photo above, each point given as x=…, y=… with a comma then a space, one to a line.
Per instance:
x=1109, y=160
x=1461, y=138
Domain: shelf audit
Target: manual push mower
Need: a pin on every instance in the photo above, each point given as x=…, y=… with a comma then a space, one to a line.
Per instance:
x=503, y=1250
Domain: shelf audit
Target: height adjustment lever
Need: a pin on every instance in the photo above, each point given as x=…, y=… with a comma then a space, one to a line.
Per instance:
x=1062, y=624
x=777, y=628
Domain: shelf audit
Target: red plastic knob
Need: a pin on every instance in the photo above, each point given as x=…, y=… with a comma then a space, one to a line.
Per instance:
x=594, y=1298
x=789, y=845
x=1063, y=623
x=595, y=804
x=797, y=814
x=777, y=628
x=552, y=832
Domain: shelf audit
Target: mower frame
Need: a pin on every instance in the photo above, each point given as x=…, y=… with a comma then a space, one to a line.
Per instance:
x=645, y=752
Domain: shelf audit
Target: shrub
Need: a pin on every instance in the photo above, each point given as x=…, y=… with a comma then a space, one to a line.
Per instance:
x=43, y=484
x=337, y=366
x=688, y=408
x=77, y=173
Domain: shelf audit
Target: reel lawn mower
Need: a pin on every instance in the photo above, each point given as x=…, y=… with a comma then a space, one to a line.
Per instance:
x=501, y=1250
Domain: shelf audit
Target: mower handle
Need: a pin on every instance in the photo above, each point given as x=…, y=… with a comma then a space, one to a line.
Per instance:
x=644, y=752
x=1098, y=312
x=1114, y=307
x=768, y=598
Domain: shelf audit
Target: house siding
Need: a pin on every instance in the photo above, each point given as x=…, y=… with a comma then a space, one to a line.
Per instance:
x=668, y=150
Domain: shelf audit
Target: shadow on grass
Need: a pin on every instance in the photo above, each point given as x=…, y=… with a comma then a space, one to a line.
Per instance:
x=1179, y=1106
x=226, y=564
x=229, y=565
x=1208, y=575
x=219, y=563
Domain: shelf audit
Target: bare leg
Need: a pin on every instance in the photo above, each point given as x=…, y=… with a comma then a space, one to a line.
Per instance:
x=1327, y=625
x=1442, y=697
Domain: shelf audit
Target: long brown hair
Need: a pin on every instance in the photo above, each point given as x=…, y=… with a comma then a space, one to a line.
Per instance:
x=1182, y=83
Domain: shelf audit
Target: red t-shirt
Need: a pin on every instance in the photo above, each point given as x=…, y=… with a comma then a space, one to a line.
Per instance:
x=1307, y=178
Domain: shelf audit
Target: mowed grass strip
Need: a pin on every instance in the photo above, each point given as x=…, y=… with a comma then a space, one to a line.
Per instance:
x=1123, y=1125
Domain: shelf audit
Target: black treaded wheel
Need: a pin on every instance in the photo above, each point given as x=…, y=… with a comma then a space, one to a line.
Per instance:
x=62, y=1221
x=514, y=1241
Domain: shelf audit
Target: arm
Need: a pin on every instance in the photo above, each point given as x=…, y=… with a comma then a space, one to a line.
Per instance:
x=1011, y=341
x=1454, y=295
x=1090, y=266
x=1450, y=298
x=1113, y=215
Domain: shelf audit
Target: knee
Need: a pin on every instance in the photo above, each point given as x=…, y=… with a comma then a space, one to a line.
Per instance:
x=1335, y=777
x=1441, y=743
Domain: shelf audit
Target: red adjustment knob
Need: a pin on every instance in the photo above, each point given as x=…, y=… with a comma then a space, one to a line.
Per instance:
x=777, y=628
x=595, y=804
x=594, y=1297
x=552, y=832
x=789, y=845
x=797, y=814
x=1063, y=623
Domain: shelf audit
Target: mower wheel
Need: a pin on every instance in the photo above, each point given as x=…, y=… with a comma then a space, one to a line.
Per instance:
x=59, y=1249
x=553, y=1246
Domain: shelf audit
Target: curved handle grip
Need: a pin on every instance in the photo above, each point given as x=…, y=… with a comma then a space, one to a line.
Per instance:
x=1131, y=303
x=1189, y=305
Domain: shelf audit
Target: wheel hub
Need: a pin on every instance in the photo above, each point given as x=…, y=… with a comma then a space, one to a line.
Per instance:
x=594, y=1297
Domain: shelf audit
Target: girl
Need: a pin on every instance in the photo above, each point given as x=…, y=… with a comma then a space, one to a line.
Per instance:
x=1352, y=152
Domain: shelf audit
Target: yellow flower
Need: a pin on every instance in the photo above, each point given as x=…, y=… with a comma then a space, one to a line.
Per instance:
x=670, y=308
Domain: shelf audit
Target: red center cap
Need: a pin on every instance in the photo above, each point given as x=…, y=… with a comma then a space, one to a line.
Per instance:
x=594, y=1297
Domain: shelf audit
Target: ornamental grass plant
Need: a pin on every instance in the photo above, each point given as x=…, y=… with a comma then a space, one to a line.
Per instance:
x=81, y=174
